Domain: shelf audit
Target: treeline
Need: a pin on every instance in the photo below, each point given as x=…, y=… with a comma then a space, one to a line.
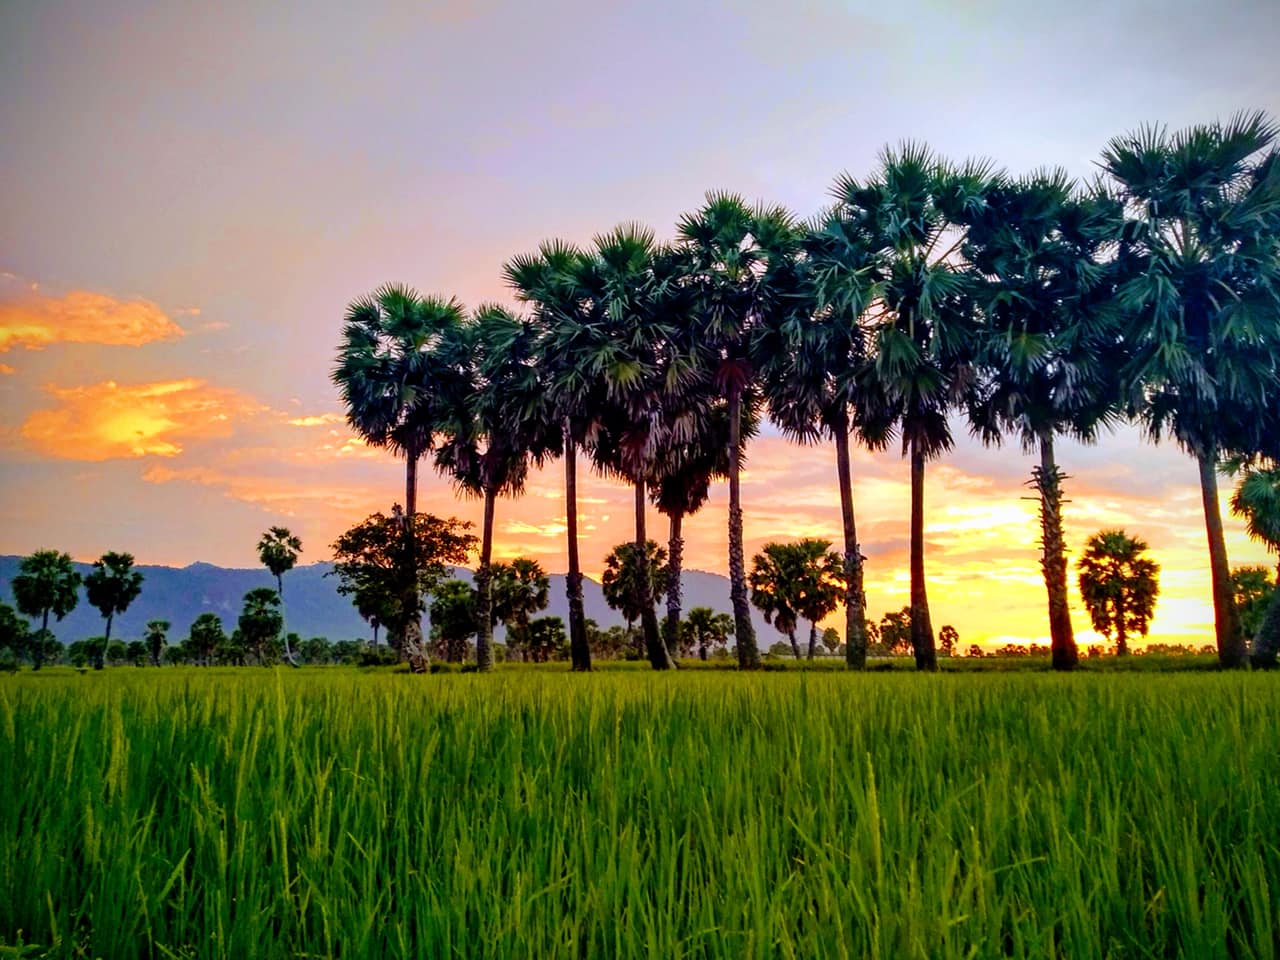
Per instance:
x=930, y=292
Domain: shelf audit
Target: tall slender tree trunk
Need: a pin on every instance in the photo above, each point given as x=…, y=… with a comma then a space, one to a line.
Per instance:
x=659, y=657
x=813, y=640
x=37, y=654
x=284, y=622
x=921, y=629
x=675, y=566
x=744, y=630
x=100, y=660
x=411, y=646
x=579, y=650
x=1064, y=653
x=484, y=586
x=1233, y=652
x=1122, y=636
x=795, y=644
x=855, y=601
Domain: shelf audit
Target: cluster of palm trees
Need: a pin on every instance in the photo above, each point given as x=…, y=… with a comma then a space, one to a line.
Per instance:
x=927, y=295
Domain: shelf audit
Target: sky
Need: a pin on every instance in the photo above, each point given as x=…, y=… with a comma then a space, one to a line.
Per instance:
x=191, y=194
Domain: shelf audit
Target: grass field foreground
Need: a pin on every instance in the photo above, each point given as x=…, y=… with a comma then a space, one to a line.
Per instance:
x=328, y=812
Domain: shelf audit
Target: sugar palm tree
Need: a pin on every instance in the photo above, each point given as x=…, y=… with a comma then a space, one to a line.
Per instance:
x=1040, y=251
x=815, y=364
x=497, y=425
x=278, y=550
x=1119, y=585
x=155, y=639
x=739, y=261
x=704, y=629
x=111, y=586
x=1202, y=301
x=819, y=575
x=922, y=322
x=550, y=281
x=1256, y=499
x=46, y=583
x=775, y=589
x=390, y=376
x=519, y=591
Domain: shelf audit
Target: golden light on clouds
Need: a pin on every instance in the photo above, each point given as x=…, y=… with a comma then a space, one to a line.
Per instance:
x=34, y=321
x=319, y=420
x=108, y=421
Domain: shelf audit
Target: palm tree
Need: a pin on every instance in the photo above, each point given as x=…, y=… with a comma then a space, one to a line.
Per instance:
x=1256, y=499
x=519, y=590
x=631, y=581
x=704, y=629
x=1119, y=585
x=278, y=550
x=922, y=322
x=111, y=586
x=155, y=639
x=820, y=582
x=775, y=589
x=260, y=622
x=499, y=425
x=391, y=376
x=46, y=583
x=814, y=363
x=1040, y=253
x=549, y=280
x=1202, y=301
x=738, y=264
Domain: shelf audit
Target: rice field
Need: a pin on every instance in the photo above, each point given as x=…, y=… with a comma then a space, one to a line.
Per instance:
x=532, y=813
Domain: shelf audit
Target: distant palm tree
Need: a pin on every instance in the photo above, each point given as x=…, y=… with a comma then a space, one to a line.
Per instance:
x=46, y=583
x=922, y=322
x=1202, y=302
x=775, y=589
x=260, y=622
x=703, y=629
x=155, y=639
x=629, y=582
x=391, y=374
x=1119, y=585
x=1049, y=351
x=519, y=590
x=820, y=574
x=278, y=550
x=111, y=586
x=1256, y=499
x=739, y=261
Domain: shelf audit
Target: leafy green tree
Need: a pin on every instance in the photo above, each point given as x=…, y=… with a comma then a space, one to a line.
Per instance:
x=394, y=380
x=157, y=630
x=498, y=425
x=46, y=583
x=136, y=653
x=15, y=634
x=206, y=638
x=922, y=324
x=1119, y=585
x=112, y=586
x=278, y=550
x=739, y=262
x=260, y=623
x=371, y=566
x=520, y=589
x=1041, y=255
x=949, y=640
x=117, y=652
x=316, y=650
x=453, y=619
x=547, y=639
x=1201, y=300
x=704, y=630
x=831, y=640
x=894, y=632
x=1254, y=591
x=628, y=584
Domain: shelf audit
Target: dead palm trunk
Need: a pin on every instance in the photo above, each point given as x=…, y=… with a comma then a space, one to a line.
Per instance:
x=1233, y=652
x=1053, y=560
x=921, y=629
x=579, y=651
x=675, y=564
x=484, y=591
x=659, y=657
x=855, y=630
x=744, y=630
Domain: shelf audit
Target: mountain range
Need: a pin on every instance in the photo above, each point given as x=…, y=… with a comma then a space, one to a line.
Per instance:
x=313, y=606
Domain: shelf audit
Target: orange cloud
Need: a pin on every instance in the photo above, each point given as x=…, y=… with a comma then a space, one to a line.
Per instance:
x=5, y=369
x=318, y=420
x=108, y=421
x=34, y=321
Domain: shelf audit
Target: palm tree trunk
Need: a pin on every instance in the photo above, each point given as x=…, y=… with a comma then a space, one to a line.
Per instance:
x=37, y=652
x=1053, y=560
x=813, y=639
x=675, y=565
x=284, y=623
x=659, y=658
x=1232, y=649
x=1122, y=642
x=921, y=629
x=484, y=591
x=1266, y=644
x=855, y=628
x=744, y=631
x=795, y=644
x=411, y=646
x=579, y=651
x=101, y=660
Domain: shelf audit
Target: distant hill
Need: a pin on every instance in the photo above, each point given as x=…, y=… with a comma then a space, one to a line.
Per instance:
x=313, y=604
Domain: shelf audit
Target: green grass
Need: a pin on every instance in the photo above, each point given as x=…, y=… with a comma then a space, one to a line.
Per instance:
x=225, y=813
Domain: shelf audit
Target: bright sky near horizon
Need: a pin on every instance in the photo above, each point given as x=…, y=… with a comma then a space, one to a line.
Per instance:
x=190, y=195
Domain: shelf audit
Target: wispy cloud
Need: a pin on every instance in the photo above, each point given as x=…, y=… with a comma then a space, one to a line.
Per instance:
x=34, y=321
